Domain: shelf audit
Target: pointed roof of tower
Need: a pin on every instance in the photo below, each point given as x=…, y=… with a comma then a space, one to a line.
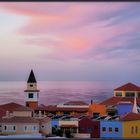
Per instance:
x=31, y=78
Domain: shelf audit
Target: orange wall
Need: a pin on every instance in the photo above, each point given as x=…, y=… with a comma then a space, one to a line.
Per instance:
x=97, y=108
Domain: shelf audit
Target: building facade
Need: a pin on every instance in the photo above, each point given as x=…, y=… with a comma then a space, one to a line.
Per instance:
x=89, y=126
x=110, y=129
x=124, y=107
x=127, y=90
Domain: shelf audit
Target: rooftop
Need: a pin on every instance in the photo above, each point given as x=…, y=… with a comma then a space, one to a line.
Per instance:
x=115, y=100
x=128, y=87
x=23, y=108
x=8, y=107
x=44, y=120
x=18, y=120
x=75, y=103
x=130, y=117
x=55, y=108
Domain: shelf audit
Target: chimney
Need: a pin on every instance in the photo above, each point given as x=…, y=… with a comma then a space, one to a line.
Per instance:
x=91, y=102
x=7, y=114
x=40, y=114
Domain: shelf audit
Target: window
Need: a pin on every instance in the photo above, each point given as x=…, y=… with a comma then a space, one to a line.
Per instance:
x=30, y=95
x=130, y=94
x=136, y=129
x=118, y=94
x=31, y=85
x=42, y=126
x=34, y=127
x=110, y=129
x=103, y=129
x=95, y=114
x=25, y=128
x=132, y=130
x=5, y=127
x=14, y=127
x=89, y=129
x=139, y=94
x=116, y=129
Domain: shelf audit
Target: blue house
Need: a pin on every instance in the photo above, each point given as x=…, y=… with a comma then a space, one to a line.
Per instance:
x=124, y=107
x=110, y=129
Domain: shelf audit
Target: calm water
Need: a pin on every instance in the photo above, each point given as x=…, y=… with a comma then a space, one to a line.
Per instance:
x=58, y=92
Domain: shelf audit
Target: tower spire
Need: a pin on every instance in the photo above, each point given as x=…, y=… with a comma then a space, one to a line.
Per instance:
x=31, y=78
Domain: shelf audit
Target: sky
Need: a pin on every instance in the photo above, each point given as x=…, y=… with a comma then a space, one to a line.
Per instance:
x=70, y=41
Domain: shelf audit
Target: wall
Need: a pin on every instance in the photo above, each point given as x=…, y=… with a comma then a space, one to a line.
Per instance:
x=47, y=129
x=113, y=125
x=22, y=113
x=97, y=108
x=20, y=128
x=80, y=135
x=55, y=123
x=127, y=129
x=68, y=122
x=35, y=96
x=124, y=108
x=124, y=93
x=90, y=127
x=34, y=87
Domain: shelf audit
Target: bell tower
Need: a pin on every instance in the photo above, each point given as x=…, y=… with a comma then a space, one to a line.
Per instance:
x=31, y=93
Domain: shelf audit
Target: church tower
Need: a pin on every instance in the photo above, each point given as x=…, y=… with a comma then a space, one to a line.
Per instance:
x=31, y=93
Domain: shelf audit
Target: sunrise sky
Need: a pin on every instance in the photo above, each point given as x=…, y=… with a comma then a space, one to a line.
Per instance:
x=70, y=41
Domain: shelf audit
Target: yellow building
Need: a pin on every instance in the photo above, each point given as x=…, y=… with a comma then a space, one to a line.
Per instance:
x=131, y=125
x=127, y=90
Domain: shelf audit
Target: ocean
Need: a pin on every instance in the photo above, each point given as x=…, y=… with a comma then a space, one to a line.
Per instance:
x=55, y=92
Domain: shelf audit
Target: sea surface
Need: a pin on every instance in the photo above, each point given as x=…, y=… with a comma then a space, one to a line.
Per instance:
x=55, y=92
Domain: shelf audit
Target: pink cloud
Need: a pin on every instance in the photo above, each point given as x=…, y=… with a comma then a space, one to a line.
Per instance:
x=79, y=26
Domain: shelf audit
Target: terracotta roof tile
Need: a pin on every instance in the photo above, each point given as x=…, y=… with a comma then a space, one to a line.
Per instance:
x=2, y=113
x=128, y=87
x=44, y=120
x=18, y=120
x=116, y=100
x=130, y=117
x=111, y=101
x=55, y=108
x=8, y=107
x=75, y=103
x=23, y=108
